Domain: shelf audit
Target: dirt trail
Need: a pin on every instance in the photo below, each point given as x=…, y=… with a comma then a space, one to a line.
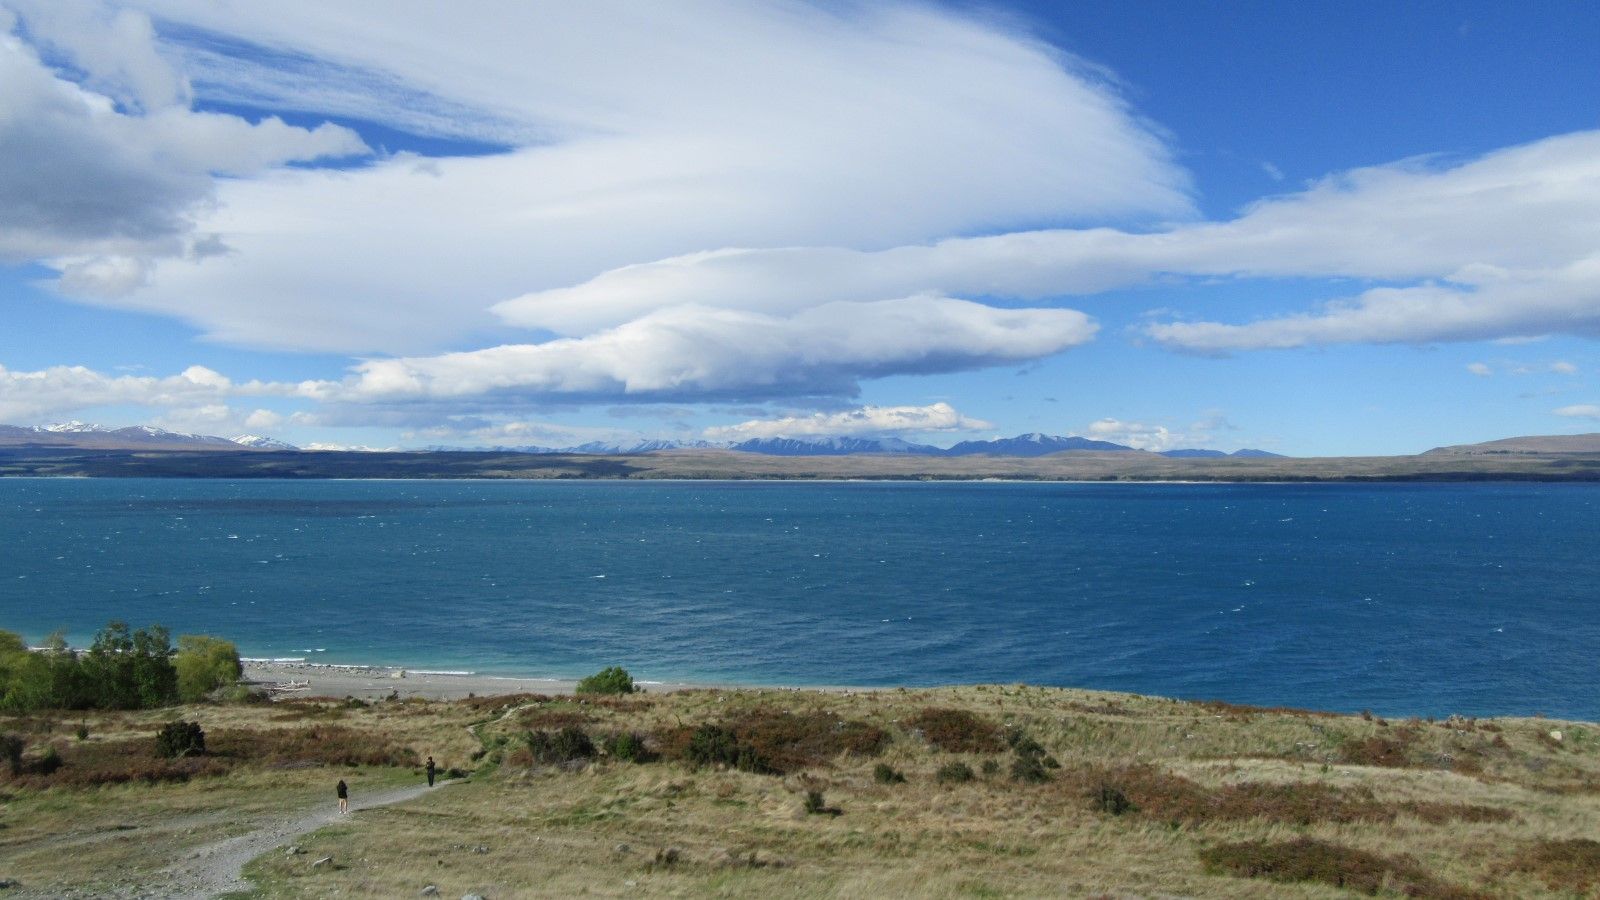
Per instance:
x=217, y=868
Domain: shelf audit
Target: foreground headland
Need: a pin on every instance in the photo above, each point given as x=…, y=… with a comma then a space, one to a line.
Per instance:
x=986, y=791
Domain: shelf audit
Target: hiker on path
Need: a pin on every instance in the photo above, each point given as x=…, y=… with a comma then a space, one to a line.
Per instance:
x=430, y=771
x=343, y=791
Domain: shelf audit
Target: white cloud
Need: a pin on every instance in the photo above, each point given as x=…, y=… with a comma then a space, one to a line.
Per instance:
x=704, y=353
x=1580, y=411
x=27, y=396
x=1138, y=435
x=864, y=421
x=1562, y=367
x=1480, y=369
x=121, y=173
x=198, y=394
x=1495, y=247
x=637, y=132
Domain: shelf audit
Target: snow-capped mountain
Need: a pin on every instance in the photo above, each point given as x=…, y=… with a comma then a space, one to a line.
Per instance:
x=259, y=442
x=83, y=435
x=651, y=446
x=830, y=446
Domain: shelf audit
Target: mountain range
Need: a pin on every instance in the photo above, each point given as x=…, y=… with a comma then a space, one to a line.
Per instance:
x=79, y=435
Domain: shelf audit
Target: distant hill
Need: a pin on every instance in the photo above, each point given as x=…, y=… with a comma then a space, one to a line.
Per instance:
x=1035, y=444
x=1532, y=445
x=1190, y=453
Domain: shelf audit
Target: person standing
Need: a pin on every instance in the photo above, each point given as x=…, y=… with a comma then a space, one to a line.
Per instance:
x=430, y=771
x=343, y=791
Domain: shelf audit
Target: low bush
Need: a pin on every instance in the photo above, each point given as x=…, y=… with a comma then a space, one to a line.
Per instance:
x=1029, y=769
x=1308, y=859
x=772, y=742
x=954, y=773
x=814, y=802
x=883, y=773
x=11, y=747
x=180, y=738
x=1571, y=866
x=566, y=745
x=957, y=731
x=628, y=746
x=49, y=761
x=991, y=767
x=1163, y=797
x=1111, y=800
x=613, y=680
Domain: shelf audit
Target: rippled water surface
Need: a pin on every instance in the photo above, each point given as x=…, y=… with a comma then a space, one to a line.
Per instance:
x=1404, y=599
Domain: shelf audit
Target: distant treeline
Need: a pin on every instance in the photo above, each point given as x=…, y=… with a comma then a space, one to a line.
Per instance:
x=122, y=669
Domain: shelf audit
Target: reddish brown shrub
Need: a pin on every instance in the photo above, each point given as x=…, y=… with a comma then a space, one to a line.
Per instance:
x=326, y=745
x=1571, y=865
x=1307, y=859
x=957, y=731
x=781, y=742
x=1171, y=798
x=118, y=762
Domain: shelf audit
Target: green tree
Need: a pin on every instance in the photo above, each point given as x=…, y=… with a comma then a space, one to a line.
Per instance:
x=205, y=663
x=614, y=680
x=131, y=669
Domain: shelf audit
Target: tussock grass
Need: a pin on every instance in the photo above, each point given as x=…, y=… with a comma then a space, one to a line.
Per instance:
x=1143, y=786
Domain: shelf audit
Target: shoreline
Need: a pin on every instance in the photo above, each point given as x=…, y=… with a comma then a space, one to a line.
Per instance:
x=289, y=678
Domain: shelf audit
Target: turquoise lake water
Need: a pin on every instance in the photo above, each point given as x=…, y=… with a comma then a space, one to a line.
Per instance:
x=1403, y=599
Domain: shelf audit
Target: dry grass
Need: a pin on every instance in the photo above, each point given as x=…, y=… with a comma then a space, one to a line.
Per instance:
x=1518, y=820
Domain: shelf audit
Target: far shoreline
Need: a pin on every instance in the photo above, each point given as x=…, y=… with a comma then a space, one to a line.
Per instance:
x=289, y=678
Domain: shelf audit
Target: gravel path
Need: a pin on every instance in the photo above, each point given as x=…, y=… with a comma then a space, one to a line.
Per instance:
x=217, y=868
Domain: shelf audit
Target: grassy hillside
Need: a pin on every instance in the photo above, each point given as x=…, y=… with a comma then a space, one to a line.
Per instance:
x=962, y=792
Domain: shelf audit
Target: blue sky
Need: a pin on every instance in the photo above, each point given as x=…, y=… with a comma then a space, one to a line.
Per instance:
x=1325, y=229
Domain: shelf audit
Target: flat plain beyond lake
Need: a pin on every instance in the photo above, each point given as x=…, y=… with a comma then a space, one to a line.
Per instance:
x=1425, y=599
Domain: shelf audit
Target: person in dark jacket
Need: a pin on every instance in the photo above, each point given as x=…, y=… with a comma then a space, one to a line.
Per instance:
x=343, y=790
x=430, y=771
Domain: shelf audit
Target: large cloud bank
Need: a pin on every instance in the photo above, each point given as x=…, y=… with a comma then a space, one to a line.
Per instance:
x=700, y=201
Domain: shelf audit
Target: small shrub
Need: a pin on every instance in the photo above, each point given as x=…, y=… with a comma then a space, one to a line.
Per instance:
x=814, y=803
x=1308, y=859
x=628, y=747
x=180, y=739
x=565, y=745
x=49, y=761
x=82, y=731
x=613, y=680
x=1111, y=800
x=883, y=773
x=957, y=731
x=954, y=773
x=713, y=745
x=11, y=747
x=991, y=767
x=1029, y=770
x=1023, y=745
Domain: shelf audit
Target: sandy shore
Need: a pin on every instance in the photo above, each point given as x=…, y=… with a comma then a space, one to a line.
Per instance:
x=300, y=679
